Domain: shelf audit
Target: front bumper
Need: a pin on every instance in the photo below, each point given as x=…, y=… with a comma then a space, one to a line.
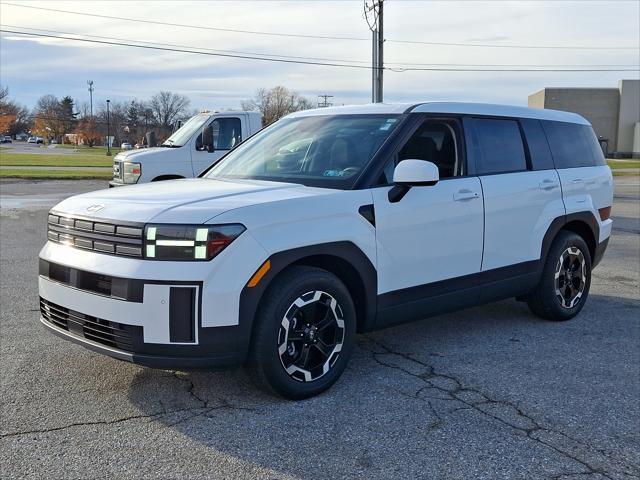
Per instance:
x=156, y=313
x=169, y=359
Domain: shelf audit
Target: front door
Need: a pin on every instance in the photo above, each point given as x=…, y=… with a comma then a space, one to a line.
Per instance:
x=226, y=134
x=434, y=234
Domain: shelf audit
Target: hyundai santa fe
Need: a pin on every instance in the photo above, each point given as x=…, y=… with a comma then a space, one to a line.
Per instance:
x=328, y=223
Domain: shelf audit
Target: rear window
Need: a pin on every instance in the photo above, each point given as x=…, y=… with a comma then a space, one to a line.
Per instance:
x=573, y=145
x=499, y=145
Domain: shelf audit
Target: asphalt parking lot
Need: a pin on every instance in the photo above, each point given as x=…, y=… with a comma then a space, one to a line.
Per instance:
x=489, y=392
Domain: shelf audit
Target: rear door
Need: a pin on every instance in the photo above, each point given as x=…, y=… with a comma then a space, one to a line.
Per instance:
x=521, y=191
x=227, y=133
x=587, y=183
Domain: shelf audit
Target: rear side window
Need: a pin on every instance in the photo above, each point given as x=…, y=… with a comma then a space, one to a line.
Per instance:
x=539, y=152
x=499, y=145
x=573, y=145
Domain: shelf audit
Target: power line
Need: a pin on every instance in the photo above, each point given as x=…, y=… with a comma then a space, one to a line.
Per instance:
x=322, y=37
x=308, y=58
x=302, y=62
x=187, y=46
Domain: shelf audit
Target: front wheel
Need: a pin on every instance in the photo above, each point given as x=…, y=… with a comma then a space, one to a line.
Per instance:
x=304, y=333
x=566, y=277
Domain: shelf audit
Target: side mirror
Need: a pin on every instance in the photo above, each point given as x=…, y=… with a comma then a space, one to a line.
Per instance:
x=412, y=173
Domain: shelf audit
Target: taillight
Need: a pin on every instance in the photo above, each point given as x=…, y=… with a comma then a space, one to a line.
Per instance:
x=605, y=213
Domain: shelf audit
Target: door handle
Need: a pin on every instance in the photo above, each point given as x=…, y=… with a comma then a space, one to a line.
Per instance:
x=577, y=180
x=548, y=184
x=465, y=195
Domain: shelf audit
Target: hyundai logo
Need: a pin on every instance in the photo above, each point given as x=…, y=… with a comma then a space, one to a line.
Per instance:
x=95, y=208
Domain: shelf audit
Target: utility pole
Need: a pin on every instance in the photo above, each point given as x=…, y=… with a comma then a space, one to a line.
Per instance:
x=108, y=131
x=373, y=14
x=325, y=101
x=90, y=83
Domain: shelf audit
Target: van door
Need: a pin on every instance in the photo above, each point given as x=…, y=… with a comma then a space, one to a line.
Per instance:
x=430, y=241
x=520, y=201
x=227, y=132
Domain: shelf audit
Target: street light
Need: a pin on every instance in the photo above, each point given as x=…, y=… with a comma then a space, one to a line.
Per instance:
x=108, y=132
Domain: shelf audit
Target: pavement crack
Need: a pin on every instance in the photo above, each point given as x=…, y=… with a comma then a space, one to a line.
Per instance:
x=98, y=422
x=594, y=460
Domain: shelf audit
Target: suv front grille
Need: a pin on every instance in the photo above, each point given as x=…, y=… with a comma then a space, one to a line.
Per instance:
x=103, y=237
x=101, y=331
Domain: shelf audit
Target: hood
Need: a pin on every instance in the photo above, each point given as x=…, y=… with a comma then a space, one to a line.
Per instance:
x=193, y=200
x=138, y=154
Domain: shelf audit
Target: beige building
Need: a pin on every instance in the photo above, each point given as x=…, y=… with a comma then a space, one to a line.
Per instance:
x=613, y=112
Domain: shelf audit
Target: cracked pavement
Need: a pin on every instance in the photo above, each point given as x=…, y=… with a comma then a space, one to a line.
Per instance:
x=489, y=392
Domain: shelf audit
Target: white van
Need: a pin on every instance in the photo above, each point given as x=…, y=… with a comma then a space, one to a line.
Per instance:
x=184, y=154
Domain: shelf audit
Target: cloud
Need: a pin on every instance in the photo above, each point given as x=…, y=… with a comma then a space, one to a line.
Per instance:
x=36, y=66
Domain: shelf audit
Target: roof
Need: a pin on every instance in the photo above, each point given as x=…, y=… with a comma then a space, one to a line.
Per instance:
x=447, y=107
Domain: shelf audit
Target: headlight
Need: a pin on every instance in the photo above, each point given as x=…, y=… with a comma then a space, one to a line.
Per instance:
x=132, y=172
x=188, y=242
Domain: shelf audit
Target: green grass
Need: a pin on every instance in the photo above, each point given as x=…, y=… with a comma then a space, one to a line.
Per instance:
x=45, y=160
x=89, y=150
x=622, y=173
x=615, y=164
x=54, y=174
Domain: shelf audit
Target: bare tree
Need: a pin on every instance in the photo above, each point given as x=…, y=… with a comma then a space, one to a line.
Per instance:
x=168, y=107
x=275, y=103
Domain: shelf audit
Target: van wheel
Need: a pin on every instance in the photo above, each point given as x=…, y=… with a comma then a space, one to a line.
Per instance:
x=304, y=333
x=566, y=277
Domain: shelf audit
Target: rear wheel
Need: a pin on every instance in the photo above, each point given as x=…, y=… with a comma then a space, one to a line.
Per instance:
x=304, y=333
x=566, y=277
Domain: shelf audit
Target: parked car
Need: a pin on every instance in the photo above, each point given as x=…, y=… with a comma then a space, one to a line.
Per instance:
x=184, y=154
x=31, y=140
x=6, y=139
x=125, y=146
x=53, y=142
x=275, y=258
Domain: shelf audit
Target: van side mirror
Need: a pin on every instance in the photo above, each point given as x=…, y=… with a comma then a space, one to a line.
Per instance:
x=412, y=173
x=206, y=144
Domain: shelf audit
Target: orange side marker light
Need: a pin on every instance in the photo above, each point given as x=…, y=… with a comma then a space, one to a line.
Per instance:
x=261, y=272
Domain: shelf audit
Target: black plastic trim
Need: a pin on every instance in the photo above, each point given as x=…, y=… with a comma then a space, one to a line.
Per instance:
x=118, y=288
x=422, y=301
x=158, y=360
x=369, y=213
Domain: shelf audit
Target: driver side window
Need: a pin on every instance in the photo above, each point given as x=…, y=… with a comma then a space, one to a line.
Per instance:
x=436, y=141
x=225, y=132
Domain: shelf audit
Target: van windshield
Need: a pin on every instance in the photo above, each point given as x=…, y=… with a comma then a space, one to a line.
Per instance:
x=324, y=151
x=186, y=131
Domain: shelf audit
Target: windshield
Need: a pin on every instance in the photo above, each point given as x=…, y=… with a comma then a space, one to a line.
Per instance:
x=323, y=151
x=186, y=131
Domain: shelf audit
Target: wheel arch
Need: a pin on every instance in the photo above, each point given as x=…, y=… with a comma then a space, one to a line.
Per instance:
x=580, y=223
x=343, y=259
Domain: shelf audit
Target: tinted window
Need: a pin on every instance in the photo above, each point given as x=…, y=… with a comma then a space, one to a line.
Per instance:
x=499, y=145
x=435, y=141
x=573, y=145
x=539, y=152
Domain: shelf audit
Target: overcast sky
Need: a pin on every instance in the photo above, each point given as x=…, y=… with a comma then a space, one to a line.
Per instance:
x=35, y=66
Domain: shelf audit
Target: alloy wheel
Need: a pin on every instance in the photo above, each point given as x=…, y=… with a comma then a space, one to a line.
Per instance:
x=570, y=277
x=311, y=336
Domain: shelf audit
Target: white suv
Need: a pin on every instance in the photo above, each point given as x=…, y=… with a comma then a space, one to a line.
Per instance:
x=328, y=223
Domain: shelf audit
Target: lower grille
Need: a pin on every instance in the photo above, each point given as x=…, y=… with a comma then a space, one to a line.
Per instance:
x=101, y=331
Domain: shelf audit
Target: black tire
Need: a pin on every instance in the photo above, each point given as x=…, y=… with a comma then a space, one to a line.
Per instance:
x=267, y=361
x=558, y=299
